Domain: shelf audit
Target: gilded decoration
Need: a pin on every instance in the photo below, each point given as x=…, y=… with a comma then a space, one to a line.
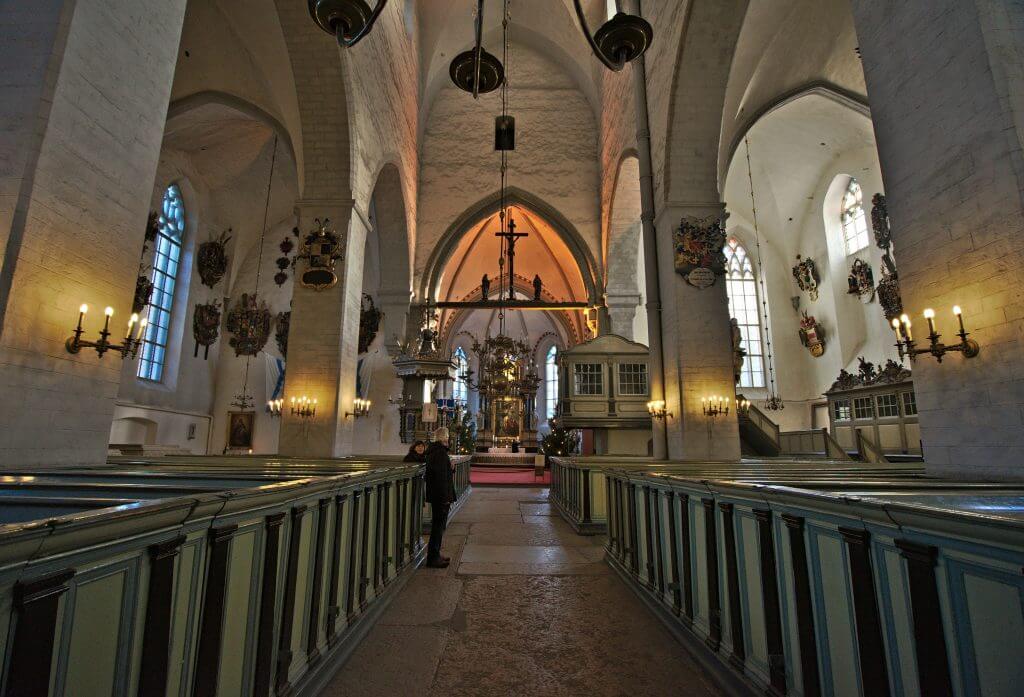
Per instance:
x=812, y=335
x=806, y=275
x=698, y=249
x=212, y=259
x=321, y=249
x=249, y=321
x=206, y=326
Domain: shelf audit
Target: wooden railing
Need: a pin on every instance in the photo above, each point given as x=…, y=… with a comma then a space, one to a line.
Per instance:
x=815, y=442
x=868, y=451
x=246, y=577
x=578, y=492
x=768, y=428
x=810, y=592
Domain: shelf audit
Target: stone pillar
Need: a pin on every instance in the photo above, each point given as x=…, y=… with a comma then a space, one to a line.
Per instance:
x=323, y=340
x=621, y=312
x=946, y=84
x=395, y=306
x=83, y=104
x=698, y=350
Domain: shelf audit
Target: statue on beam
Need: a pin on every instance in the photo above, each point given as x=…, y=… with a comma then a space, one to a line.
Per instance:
x=537, y=287
x=485, y=287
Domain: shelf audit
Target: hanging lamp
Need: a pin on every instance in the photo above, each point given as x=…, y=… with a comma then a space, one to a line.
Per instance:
x=349, y=21
x=250, y=319
x=773, y=402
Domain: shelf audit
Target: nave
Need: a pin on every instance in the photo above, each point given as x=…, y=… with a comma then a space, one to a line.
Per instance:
x=527, y=607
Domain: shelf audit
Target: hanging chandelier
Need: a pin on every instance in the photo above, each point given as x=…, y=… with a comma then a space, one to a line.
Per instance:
x=621, y=39
x=773, y=402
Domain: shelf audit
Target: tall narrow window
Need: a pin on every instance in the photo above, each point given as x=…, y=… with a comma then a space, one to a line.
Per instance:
x=460, y=392
x=855, y=224
x=743, y=307
x=165, y=275
x=551, y=382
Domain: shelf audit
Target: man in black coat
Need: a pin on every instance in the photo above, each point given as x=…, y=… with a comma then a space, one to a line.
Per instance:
x=440, y=486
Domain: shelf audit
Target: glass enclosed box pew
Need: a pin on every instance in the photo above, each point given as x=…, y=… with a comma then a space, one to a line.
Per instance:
x=201, y=579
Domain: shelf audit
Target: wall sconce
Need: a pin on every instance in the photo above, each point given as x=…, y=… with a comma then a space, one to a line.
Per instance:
x=742, y=407
x=274, y=407
x=304, y=407
x=906, y=345
x=361, y=408
x=657, y=409
x=130, y=346
x=715, y=406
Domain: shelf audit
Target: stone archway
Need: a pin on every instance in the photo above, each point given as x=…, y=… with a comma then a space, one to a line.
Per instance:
x=582, y=255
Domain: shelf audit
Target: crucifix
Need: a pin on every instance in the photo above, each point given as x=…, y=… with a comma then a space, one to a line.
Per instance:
x=510, y=237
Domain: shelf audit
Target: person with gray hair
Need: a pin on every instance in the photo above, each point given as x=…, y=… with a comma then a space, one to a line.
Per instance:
x=439, y=492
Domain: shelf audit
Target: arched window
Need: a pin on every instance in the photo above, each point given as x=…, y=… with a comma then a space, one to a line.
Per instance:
x=165, y=275
x=855, y=224
x=460, y=392
x=743, y=307
x=551, y=382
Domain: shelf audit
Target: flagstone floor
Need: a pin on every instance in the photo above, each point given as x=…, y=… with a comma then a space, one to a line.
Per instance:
x=527, y=607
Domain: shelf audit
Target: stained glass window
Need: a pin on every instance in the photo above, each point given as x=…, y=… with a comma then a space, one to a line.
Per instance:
x=743, y=307
x=855, y=224
x=169, y=235
x=460, y=392
x=551, y=382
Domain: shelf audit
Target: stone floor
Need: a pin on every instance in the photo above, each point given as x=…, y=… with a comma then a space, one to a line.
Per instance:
x=527, y=607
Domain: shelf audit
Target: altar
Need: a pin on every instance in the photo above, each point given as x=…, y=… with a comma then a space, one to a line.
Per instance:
x=507, y=386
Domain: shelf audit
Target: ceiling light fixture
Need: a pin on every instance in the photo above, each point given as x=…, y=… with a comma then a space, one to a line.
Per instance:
x=620, y=40
x=349, y=21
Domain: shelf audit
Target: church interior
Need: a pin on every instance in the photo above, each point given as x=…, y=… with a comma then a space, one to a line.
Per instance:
x=716, y=304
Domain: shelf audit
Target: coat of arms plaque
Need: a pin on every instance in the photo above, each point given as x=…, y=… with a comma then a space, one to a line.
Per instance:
x=698, y=243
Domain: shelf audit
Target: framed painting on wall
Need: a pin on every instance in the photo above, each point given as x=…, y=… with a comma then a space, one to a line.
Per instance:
x=240, y=429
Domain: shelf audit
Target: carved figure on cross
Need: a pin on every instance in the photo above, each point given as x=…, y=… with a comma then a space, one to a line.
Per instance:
x=510, y=238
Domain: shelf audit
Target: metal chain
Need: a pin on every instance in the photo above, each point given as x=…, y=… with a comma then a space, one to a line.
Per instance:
x=773, y=397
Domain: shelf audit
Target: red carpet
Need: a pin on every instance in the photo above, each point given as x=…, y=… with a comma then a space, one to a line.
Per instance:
x=507, y=476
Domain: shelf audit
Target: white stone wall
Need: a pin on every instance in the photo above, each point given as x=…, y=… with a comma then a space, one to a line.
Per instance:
x=555, y=157
x=946, y=114
x=79, y=243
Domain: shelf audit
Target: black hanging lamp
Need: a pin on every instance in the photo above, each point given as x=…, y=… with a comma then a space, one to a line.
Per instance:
x=477, y=71
x=349, y=21
x=621, y=39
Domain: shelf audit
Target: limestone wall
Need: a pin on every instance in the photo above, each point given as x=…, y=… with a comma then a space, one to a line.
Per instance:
x=78, y=241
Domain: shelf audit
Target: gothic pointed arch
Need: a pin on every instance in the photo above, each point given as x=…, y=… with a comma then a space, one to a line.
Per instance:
x=581, y=253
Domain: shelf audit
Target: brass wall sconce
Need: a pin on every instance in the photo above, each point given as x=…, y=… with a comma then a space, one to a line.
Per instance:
x=742, y=407
x=130, y=346
x=361, y=408
x=906, y=345
x=715, y=406
x=274, y=407
x=303, y=407
x=657, y=409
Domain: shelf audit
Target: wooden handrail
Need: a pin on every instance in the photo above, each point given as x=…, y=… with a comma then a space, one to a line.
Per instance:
x=869, y=452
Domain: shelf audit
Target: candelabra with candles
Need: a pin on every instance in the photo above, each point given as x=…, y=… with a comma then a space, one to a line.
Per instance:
x=303, y=407
x=129, y=347
x=657, y=410
x=715, y=406
x=360, y=408
x=742, y=407
x=906, y=345
x=274, y=407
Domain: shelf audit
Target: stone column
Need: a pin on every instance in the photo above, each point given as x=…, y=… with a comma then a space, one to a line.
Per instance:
x=323, y=340
x=83, y=104
x=946, y=84
x=621, y=312
x=698, y=350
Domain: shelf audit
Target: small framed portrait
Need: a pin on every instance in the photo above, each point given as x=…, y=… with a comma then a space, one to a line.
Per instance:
x=240, y=428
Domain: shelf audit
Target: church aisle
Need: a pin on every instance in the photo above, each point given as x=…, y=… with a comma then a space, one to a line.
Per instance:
x=526, y=607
